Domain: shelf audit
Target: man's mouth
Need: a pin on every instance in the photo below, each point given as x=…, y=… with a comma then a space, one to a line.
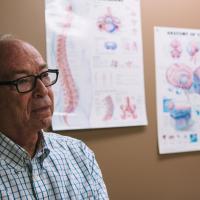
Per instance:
x=41, y=110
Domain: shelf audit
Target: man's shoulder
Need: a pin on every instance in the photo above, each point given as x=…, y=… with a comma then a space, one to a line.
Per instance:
x=66, y=143
x=50, y=136
x=55, y=138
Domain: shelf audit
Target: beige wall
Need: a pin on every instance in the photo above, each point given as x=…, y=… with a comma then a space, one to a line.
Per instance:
x=128, y=157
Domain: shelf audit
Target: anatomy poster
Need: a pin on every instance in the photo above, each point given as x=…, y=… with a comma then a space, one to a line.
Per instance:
x=177, y=53
x=97, y=47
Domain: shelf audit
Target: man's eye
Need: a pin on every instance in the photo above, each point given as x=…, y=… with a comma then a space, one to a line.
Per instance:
x=44, y=75
x=24, y=81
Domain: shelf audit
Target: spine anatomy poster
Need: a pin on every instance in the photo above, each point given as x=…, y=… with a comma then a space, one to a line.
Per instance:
x=177, y=53
x=97, y=47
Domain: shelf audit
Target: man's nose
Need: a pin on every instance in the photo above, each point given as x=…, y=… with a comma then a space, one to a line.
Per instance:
x=40, y=89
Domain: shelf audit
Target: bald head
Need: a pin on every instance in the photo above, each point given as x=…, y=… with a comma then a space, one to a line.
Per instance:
x=14, y=52
x=9, y=49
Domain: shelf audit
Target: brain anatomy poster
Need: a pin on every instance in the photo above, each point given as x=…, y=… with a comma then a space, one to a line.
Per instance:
x=97, y=47
x=177, y=53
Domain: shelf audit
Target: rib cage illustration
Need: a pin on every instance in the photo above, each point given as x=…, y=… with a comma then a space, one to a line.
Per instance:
x=128, y=109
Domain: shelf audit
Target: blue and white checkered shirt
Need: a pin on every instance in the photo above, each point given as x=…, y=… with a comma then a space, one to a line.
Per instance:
x=62, y=168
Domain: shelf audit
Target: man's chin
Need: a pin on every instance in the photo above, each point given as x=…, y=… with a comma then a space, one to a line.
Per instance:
x=45, y=122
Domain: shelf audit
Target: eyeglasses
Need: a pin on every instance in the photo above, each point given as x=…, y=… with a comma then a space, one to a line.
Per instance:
x=28, y=83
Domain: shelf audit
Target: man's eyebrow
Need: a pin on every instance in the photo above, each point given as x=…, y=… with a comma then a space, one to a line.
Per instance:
x=43, y=66
x=24, y=71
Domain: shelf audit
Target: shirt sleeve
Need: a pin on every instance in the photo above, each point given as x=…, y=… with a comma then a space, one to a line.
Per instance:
x=99, y=185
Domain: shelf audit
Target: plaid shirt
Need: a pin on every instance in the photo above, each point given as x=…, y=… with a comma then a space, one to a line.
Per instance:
x=62, y=168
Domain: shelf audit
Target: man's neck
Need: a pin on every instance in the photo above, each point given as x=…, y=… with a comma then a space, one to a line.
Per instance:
x=27, y=140
x=29, y=143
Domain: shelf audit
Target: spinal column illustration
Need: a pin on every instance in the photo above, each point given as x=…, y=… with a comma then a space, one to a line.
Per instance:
x=70, y=93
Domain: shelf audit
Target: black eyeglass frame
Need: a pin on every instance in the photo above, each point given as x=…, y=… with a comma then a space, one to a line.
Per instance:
x=15, y=82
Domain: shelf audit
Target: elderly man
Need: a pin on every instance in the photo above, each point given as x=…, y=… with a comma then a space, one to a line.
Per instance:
x=34, y=164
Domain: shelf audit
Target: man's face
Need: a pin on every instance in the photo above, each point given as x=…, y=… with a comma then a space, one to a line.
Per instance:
x=26, y=111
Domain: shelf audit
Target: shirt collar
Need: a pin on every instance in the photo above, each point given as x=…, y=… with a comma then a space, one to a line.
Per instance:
x=42, y=150
x=16, y=156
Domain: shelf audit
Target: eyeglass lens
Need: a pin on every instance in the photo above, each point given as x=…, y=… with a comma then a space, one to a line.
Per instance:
x=26, y=84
